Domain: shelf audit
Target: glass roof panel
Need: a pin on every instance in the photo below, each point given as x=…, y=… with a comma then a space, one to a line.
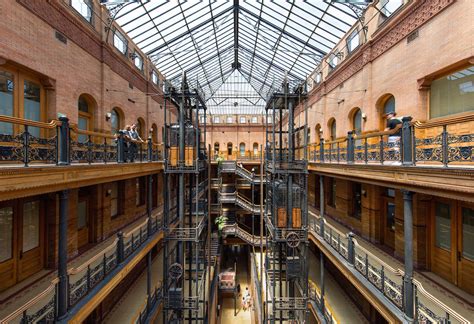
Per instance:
x=239, y=46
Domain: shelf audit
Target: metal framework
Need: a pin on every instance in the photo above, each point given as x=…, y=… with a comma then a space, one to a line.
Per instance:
x=286, y=213
x=263, y=40
x=185, y=263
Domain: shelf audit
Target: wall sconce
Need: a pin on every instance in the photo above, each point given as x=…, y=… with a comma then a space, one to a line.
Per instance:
x=108, y=192
x=364, y=116
x=108, y=116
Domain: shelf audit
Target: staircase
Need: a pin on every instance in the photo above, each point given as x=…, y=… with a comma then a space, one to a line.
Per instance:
x=234, y=197
x=236, y=230
x=233, y=167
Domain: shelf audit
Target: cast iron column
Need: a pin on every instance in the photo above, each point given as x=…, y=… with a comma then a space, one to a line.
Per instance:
x=321, y=263
x=321, y=203
x=149, y=203
x=62, y=255
x=408, y=237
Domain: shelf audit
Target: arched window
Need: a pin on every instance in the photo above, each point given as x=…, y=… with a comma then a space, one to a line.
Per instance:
x=357, y=121
x=389, y=105
x=85, y=108
x=332, y=131
x=141, y=128
x=229, y=148
x=242, y=149
x=255, y=149
x=317, y=133
x=116, y=120
x=154, y=133
x=216, y=148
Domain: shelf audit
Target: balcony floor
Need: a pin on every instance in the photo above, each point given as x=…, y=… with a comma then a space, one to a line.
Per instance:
x=345, y=311
x=449, y=294
x=18, y=295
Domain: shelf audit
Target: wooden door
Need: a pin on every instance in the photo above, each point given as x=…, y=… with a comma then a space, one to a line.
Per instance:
x=443, y=254
x=465, y=253
x=30, y=235
x=8, y=245
x=83, y=222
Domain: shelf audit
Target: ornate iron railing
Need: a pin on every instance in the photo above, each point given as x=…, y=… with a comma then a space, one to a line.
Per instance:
x=326, y=310
x=386, y=279
x=155, y=299
x=444, y=143
x=58, y=142
x=82, y=279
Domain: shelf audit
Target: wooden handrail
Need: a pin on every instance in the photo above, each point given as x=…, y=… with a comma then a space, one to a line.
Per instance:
x=31, y=302
x=442, y=122
x=28, y=122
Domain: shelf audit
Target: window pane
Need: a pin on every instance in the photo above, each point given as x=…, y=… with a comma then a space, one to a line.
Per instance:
x=443, y=226
x=82, y=123
x=137, y=192
x=242, y=149
x=154, y=77
x=388, y=7
x=468, y=233
x=453, y=94
x=84, y=7
x=389, y=105
x=82, y=214
x=120, y=43
x=358, y=122
x=353, y=41
x=32, y=106
x=31, y=230
x=114, y=121
x=6, y=233
x=6, y=100
x=138, y=61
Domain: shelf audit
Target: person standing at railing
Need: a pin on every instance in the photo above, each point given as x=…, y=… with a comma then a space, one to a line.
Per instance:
x=392, y=123
x=135, y=137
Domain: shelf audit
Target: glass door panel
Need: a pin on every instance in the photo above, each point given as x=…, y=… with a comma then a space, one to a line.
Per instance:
x=443, y=253
x=32, y=104
x=443, y=226
x=31, y=251
x=6, y=100
x=466, y=249
x=7, y=247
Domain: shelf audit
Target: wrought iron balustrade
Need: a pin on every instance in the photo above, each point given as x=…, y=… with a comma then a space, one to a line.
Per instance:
x=82, y=279
x=435, y=143
x=388, y=280
x=61, y=143
x=155, y=299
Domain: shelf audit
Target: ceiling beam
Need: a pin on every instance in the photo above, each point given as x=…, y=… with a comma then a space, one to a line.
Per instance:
x=236, y=64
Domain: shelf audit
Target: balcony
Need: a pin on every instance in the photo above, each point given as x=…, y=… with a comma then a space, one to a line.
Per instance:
x=60, y=143
x=86, y=275
x=382, y=275
x=445, y=144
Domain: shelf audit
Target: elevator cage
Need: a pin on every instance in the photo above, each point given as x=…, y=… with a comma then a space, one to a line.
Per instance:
x=286, y=264
x=186, y=258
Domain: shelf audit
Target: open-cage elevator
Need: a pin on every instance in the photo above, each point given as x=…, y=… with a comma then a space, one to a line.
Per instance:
x=285, y=283
x=185, y=258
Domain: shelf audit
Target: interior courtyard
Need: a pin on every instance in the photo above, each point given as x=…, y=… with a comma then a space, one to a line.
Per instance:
x=237, y=161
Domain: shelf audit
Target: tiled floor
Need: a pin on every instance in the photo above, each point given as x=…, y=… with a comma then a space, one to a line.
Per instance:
x=344, y=309
x=429, y=281
x=127, y=309
x=242, y=316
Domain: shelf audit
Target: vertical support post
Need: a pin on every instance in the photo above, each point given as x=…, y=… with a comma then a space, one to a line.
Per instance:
x=62, y=255
x=149, y=204
x=408, y=240
x=407, y=145
x=321, y=150
x=350, y=147
x=26, y=146
x=150, y=148
x=63, y=141
x=120, y=147
x=321, y=263
x=350, y=248
x=120, y=247
x=321, y=204
x=445, y=146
